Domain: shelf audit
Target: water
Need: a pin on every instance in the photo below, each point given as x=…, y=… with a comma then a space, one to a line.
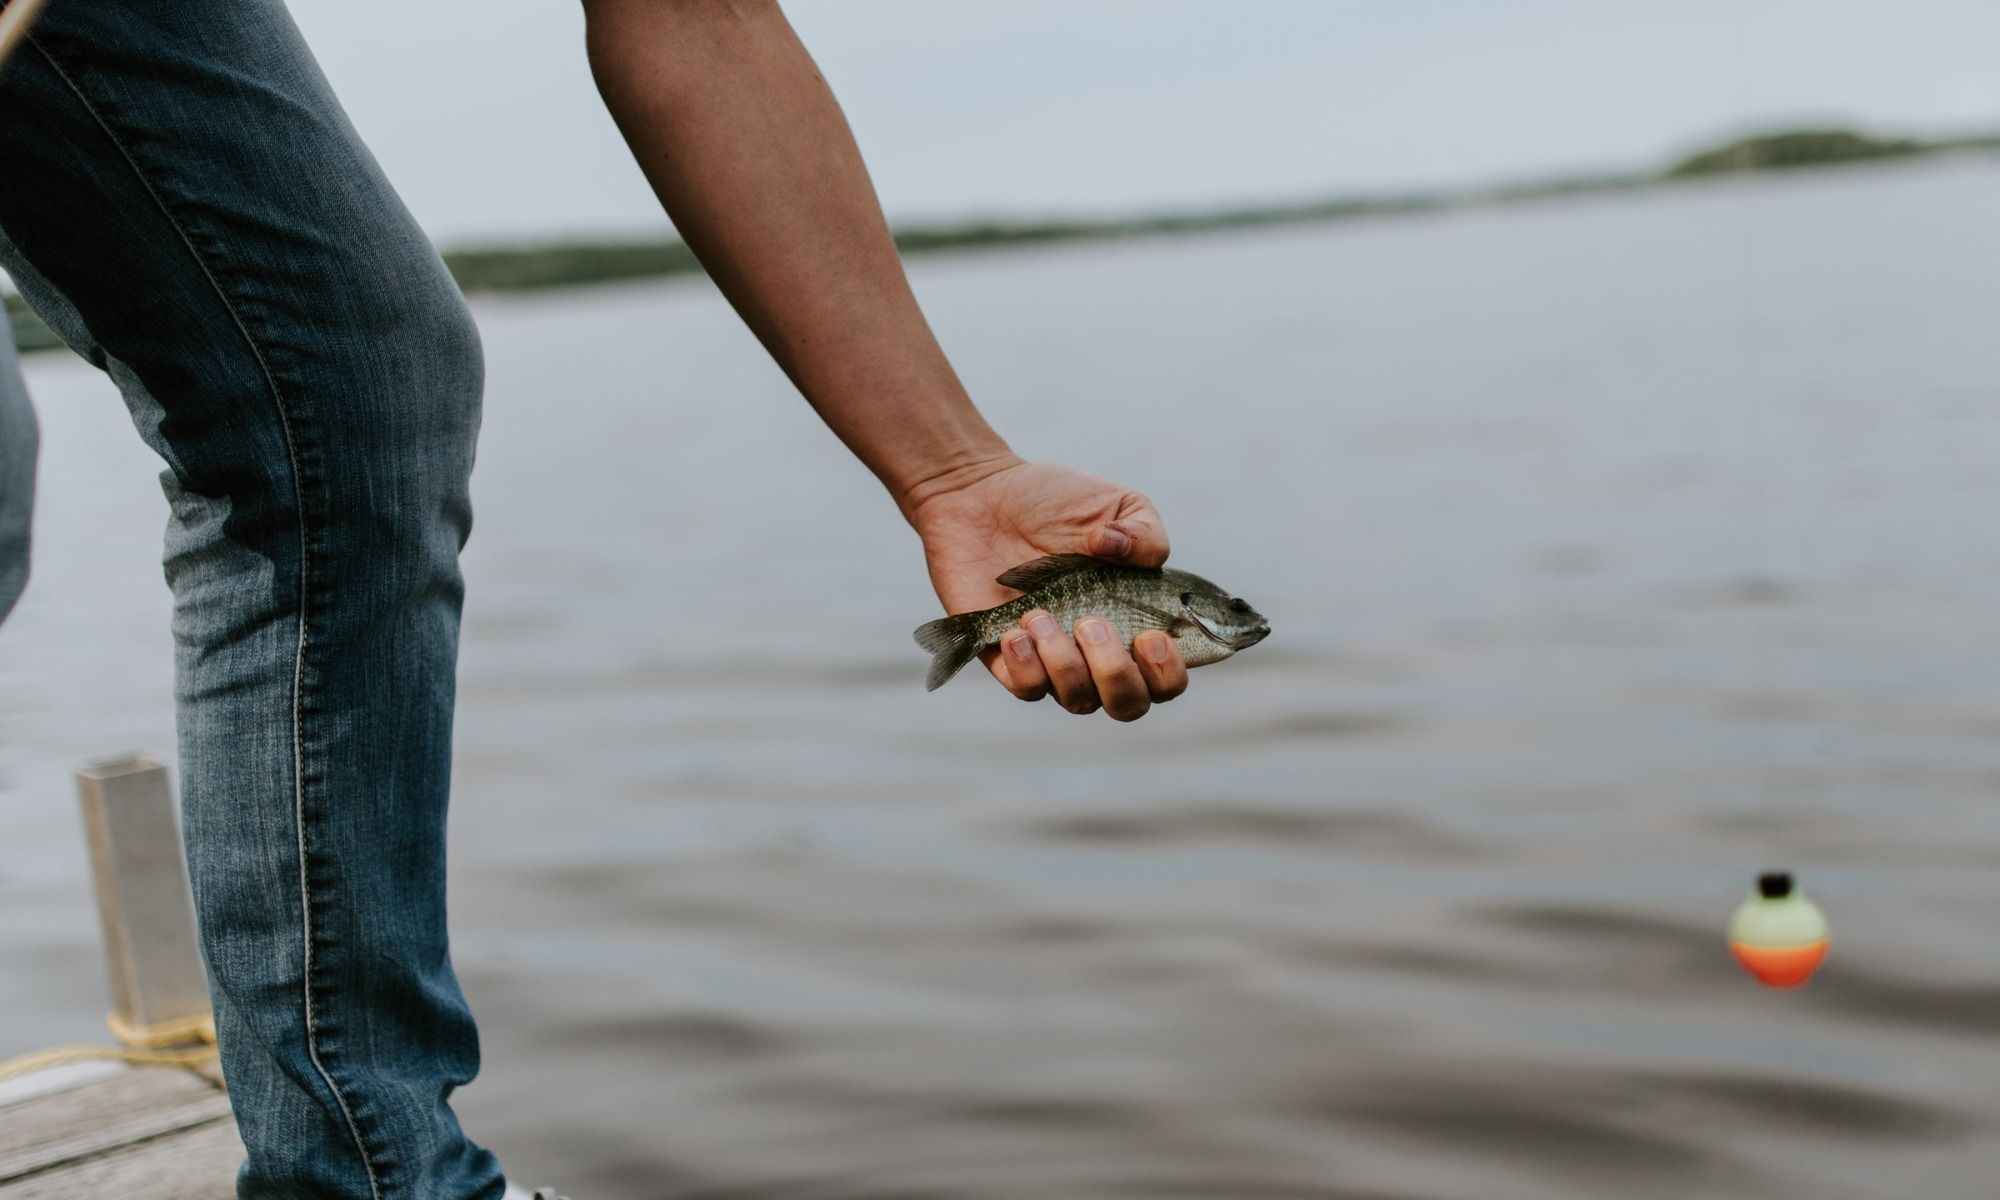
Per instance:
x=1616, y=549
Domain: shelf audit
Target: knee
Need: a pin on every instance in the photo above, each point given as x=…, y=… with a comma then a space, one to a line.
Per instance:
x=458, y=357
x=409, y=378
x=402, y=401
x=447, y=344
x=389, y=342
x=436, y=350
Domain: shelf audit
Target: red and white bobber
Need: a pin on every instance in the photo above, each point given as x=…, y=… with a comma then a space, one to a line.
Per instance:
x=1777, y=934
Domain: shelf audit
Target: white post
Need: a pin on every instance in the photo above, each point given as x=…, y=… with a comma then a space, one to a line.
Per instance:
x=142, y=894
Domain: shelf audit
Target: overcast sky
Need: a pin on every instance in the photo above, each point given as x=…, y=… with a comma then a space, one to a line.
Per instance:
x=484, y=114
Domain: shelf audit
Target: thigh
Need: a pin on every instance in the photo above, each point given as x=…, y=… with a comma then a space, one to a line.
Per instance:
x=181, y=177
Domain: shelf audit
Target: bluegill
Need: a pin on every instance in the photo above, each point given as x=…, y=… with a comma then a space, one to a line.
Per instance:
x=1206, y=623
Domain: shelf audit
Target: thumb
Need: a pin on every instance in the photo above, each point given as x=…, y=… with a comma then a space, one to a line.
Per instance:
x=1135, y=535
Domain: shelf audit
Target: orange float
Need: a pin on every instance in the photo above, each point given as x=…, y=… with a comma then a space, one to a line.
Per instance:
x=1777, y=934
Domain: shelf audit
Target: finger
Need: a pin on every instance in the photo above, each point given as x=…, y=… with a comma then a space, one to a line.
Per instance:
x=1025, y=677
x=1160, y=662
x=1136, y=534
x=1119, y=684
x=1069, y=676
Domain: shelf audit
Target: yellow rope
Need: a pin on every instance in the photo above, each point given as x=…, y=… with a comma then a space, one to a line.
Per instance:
x=166, y=1033
x=188, y=1043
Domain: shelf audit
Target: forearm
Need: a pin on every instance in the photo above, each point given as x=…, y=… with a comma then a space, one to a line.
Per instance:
x=748, y=152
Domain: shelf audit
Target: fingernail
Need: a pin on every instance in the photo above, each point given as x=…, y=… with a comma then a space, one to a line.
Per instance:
x=1093, y=631
x=1021, y=648
x=1042, y=625
x=1155, y=649
x=1115, y=542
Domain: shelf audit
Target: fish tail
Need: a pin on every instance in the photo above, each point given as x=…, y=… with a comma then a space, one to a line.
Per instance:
x=952, y=642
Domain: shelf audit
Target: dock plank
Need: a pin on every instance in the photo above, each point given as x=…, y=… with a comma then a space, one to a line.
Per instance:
x=196, y=1164
x=72, y=1126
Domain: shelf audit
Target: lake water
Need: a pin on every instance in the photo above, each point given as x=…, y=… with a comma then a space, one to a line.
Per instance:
x=1616, y=549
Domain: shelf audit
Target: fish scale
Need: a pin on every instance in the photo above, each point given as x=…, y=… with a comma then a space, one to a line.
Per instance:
x=1206, y=623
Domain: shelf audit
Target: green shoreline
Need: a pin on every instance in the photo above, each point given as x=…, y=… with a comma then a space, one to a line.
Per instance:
x=555, y=264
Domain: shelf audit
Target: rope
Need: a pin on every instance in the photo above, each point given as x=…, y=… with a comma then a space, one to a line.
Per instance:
x=165, y=1034
x=188, y=1043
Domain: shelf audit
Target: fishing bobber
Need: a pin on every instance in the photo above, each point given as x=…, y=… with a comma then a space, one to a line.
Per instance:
x=1777, y=934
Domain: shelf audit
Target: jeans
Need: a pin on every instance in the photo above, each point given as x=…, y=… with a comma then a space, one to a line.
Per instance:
x=183, y=200
x=19, y=441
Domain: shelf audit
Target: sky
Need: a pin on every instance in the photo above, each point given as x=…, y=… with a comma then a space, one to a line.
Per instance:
x=485, y=117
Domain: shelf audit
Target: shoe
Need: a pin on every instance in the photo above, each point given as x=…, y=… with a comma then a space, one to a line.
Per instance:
x=514, y=1193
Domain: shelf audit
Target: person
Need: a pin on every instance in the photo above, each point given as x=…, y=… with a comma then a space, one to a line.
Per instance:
x=184, y=202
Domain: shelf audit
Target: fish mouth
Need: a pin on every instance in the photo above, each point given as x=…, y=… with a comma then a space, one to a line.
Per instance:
x=1252, y=638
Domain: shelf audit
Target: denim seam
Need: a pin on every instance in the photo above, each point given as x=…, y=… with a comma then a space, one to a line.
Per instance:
x=305, y=541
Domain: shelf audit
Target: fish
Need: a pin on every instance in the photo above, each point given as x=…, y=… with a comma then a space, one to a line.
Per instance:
x=1206, y=623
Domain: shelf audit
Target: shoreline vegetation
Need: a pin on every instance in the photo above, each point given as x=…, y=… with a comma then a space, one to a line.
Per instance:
x=540, y=266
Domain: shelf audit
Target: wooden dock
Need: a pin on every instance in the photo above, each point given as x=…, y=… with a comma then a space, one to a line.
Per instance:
x=95, y=1129
x=102, y=1130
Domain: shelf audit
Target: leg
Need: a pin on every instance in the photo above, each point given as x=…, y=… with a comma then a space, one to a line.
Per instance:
x=18, y=444
x=188, y=205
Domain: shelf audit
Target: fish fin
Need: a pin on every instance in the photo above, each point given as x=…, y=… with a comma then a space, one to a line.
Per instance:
x=1156, y=618
x=1030, y=576
x=952, y=642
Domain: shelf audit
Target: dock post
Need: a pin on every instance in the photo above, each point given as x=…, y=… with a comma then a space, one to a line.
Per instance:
x=154, y=961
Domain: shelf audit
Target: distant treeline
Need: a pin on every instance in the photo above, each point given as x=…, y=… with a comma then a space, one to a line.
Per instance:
x=534, y=266
x=1809, y=148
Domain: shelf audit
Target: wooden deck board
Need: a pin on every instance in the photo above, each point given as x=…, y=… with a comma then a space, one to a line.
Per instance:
x=68, y=1139
x=196, y=1164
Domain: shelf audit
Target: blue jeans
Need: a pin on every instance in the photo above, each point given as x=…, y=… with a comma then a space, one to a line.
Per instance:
x=19, y=440
x=183, y=200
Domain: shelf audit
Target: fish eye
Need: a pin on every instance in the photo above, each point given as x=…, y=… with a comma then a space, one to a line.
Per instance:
x=1240, y=604
x=1187, y=599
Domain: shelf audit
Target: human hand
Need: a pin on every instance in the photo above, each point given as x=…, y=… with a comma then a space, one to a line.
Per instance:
x=1022, y=511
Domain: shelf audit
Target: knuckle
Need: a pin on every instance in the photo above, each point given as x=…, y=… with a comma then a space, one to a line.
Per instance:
x=1059, y=657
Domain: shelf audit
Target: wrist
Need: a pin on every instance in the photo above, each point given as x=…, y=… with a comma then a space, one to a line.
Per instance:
x=953, y=473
